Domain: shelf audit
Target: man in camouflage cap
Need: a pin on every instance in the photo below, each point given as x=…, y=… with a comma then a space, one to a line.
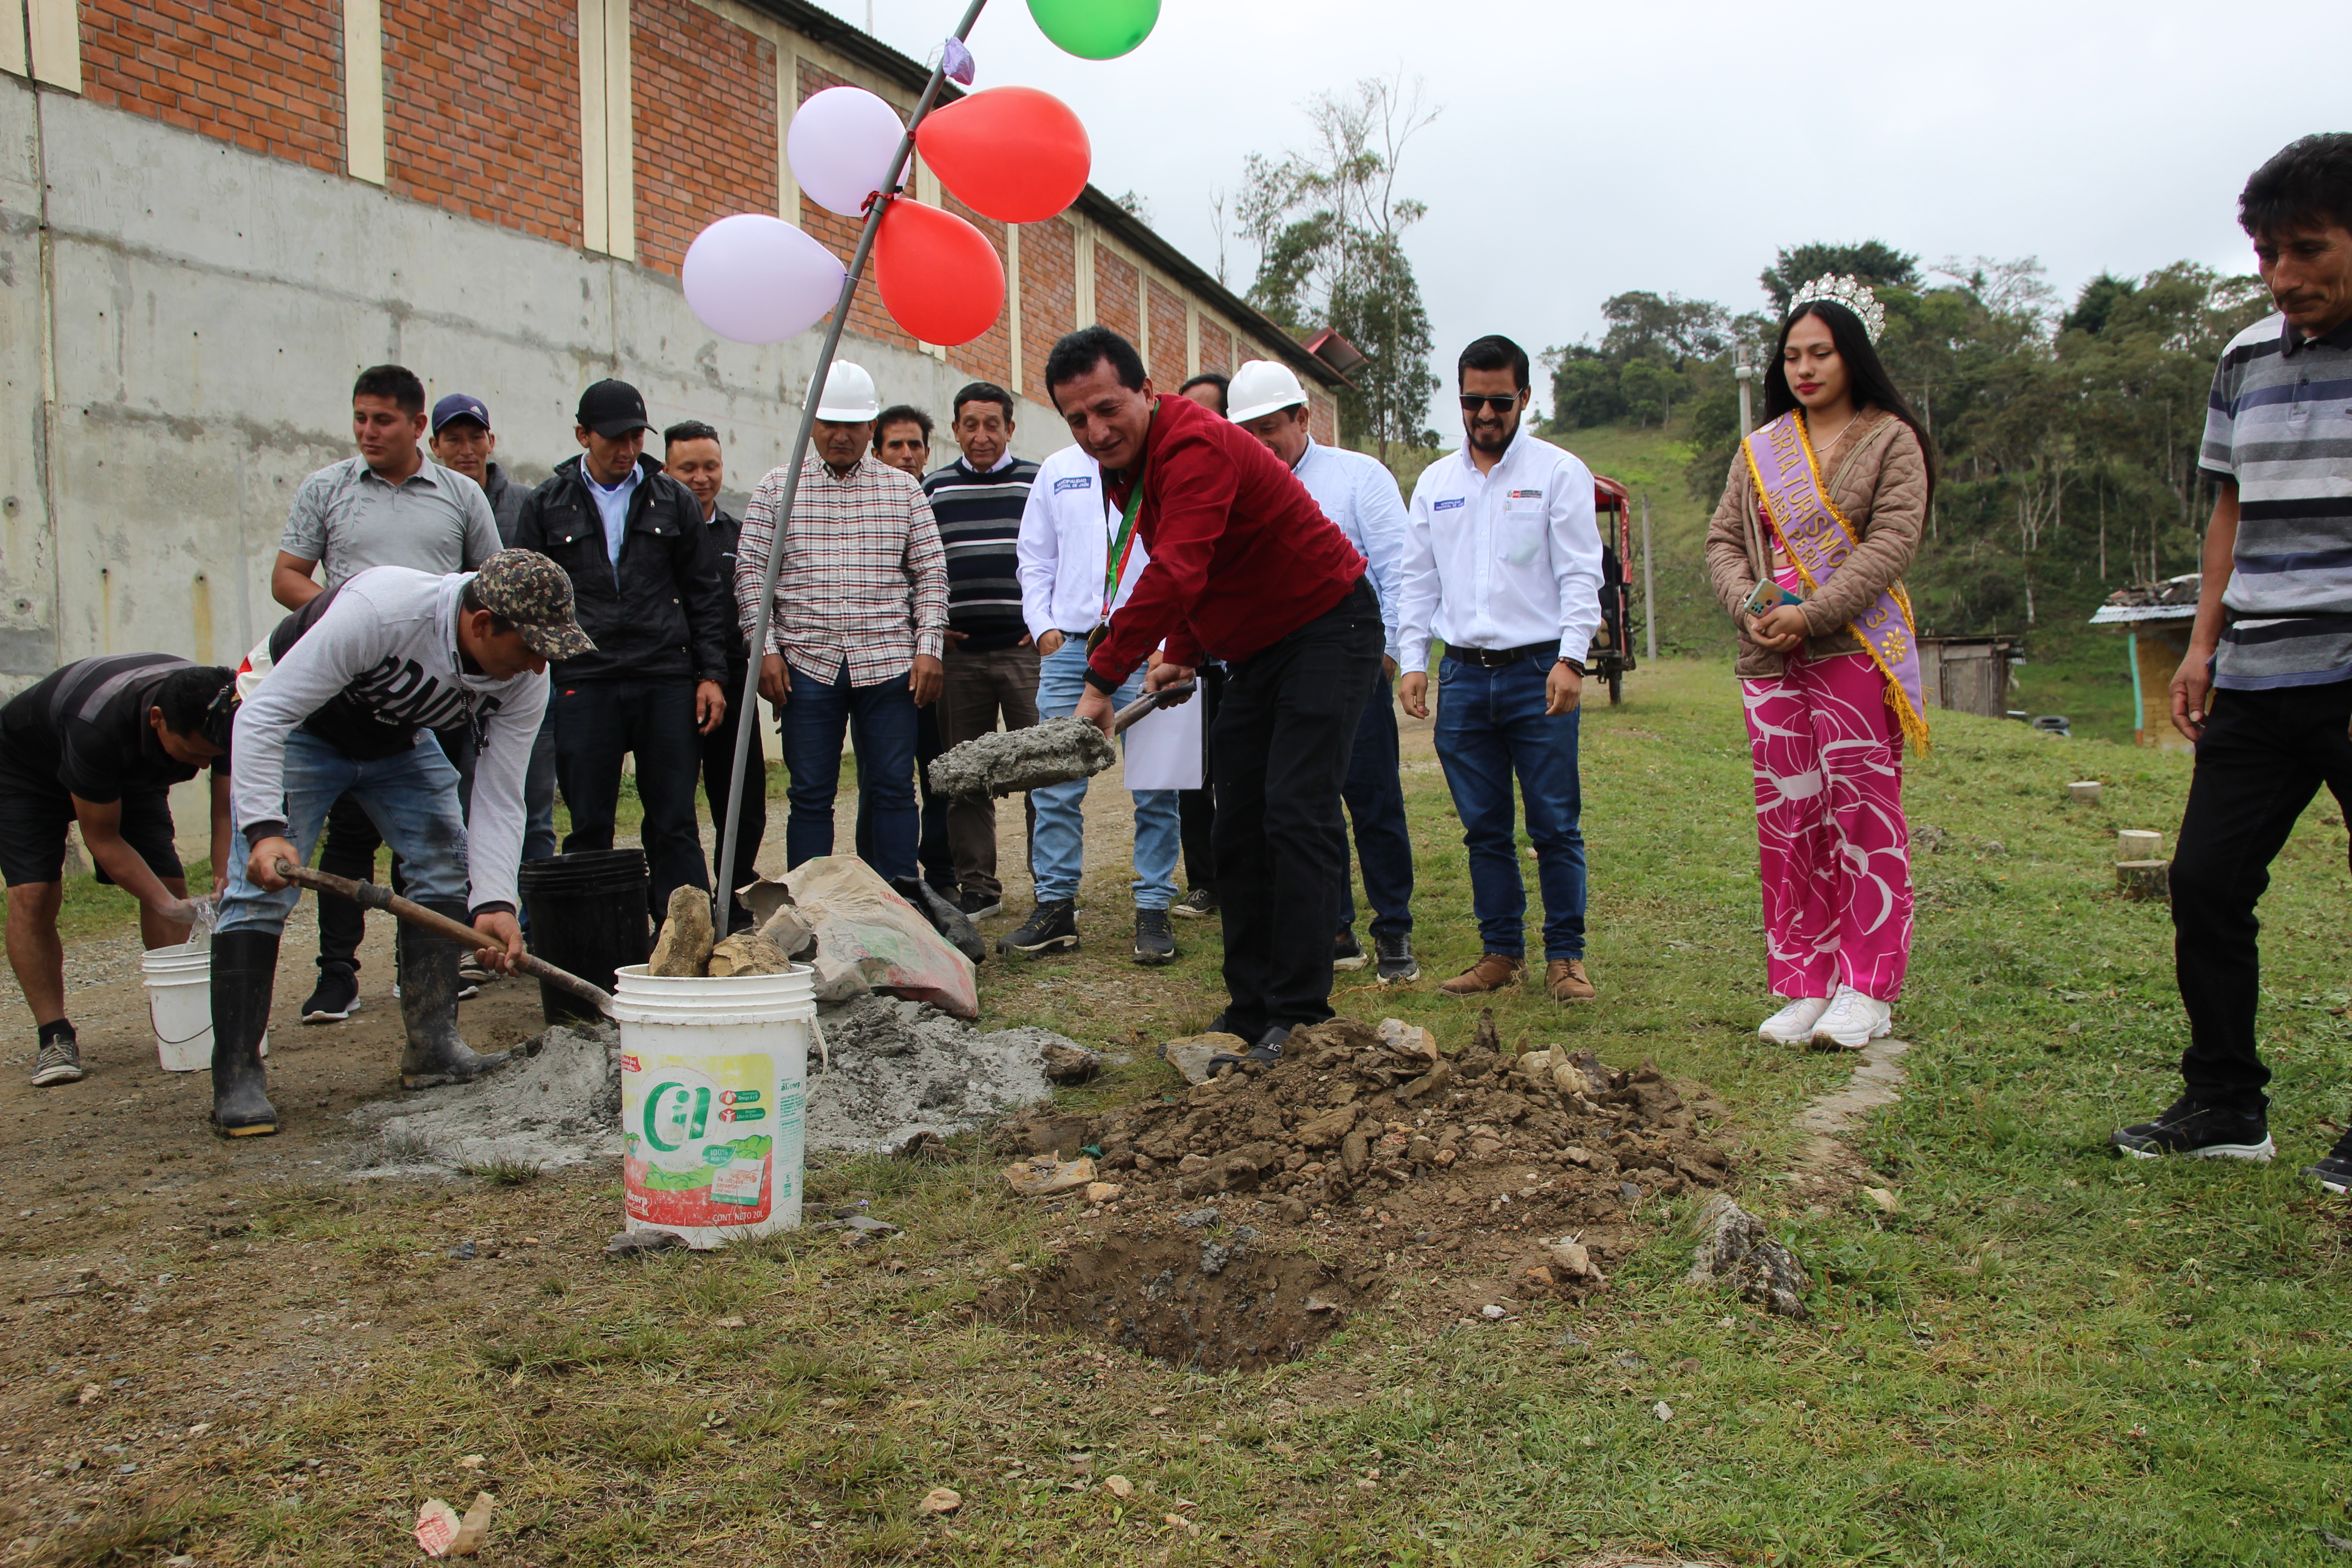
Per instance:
x=345, y=696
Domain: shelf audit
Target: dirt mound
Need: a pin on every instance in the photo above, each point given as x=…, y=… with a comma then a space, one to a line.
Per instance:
x=1499, y=1175
x=1212, y=1299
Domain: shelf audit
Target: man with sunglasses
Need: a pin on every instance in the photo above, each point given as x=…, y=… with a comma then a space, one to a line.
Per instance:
x=1502, y=561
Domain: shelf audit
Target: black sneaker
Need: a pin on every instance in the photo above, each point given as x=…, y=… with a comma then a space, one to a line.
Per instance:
x=2334, y=1172
x=2194, y=1127
x=336, y=997
x=1197, y=905
x=59, y=1061
x=1397, y=964
x=980, y=906
x=1267, y=1051
x=1347, y=952
x=1054, y=924
x=1155, y=938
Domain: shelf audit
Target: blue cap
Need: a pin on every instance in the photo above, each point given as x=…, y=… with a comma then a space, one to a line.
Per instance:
x=460, y=405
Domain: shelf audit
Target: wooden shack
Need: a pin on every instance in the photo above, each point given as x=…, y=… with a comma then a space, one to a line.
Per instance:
x=2154, y=619
x=1968, y=675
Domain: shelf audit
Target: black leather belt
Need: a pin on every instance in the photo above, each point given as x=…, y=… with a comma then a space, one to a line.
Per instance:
x=1497, y=657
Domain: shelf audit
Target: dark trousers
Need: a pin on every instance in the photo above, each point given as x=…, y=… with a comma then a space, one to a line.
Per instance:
x=352, y=841
x=1196, y=809
x=982, y=688
x=1284, y=732
x=880, y=720
x=2263, y=757
x=599, y=721
x=1375, y=798
x=932, y=856
x=752, y=821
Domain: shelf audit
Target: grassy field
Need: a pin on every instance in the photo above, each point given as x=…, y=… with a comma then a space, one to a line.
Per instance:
x=2044, y=1356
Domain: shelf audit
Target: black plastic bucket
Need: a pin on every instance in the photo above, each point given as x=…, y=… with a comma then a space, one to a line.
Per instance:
x=587, y=915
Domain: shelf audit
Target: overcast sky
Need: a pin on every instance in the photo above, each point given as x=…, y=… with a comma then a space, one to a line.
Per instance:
x=1587, y=149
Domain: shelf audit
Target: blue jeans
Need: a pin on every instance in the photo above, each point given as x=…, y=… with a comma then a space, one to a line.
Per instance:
x=1375, y=800
x=1491, y=724
x=1058, y=844
x=880, y=720
x=412, y=798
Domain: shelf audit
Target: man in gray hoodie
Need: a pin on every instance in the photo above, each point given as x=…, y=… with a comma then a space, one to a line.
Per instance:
x=346, y=686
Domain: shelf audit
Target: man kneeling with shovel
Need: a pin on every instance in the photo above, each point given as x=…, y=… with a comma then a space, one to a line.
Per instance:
x=352, y=685
x=1246, y=568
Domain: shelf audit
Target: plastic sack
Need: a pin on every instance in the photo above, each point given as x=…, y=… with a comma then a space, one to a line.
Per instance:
x=869, y=939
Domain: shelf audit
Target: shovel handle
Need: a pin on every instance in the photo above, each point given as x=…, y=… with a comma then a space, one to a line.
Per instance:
x=372, y=896
x=1151, y=703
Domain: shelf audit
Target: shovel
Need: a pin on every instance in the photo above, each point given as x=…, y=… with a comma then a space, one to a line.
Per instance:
x=369, y=895
x=1010, y=761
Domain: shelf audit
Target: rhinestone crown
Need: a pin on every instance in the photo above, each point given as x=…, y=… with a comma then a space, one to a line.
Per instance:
x=1843, y=289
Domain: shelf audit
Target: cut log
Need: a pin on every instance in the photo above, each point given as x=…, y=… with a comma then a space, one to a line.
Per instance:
x=2135, y=844
x=2083, y=791
x=2144, y=878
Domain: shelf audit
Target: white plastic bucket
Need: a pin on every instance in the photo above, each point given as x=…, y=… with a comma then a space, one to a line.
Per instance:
x=179, y=1005
x=714, y=1080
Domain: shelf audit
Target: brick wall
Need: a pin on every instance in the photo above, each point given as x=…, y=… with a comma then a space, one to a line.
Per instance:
x=1117, y=304
x=1322, y=418
x=1167, y=337
x=867, y=319
x=1049, y=296
x=1216, y=348
x=265, y=74
x=482, y=110
x=988, y=357
x=704, y=94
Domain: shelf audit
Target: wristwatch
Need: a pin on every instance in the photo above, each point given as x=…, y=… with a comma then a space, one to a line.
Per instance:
x=1574, y=665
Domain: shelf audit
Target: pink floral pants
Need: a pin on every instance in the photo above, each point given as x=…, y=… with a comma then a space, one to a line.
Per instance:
x=1836, y=852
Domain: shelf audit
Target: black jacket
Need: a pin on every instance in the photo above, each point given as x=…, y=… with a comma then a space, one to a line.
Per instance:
x=725, y=533
x=506, y=499
x=668, y=615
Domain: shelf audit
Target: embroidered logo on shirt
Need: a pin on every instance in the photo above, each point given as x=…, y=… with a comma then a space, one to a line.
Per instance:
x=1448, y=504
x=1074, y=482
x=1526, y=495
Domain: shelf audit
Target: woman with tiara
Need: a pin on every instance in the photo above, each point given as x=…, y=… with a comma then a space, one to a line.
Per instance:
x=1822, y=512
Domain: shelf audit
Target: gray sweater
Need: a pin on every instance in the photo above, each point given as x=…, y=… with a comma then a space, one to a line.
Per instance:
x=390, y=641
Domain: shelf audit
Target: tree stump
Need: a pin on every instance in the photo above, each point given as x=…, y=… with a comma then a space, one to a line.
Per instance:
x=2083, y=792
x=2135, y=844
x=2144, y=878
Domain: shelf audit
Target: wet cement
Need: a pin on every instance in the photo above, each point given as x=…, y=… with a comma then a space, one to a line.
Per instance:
x=1008, y=761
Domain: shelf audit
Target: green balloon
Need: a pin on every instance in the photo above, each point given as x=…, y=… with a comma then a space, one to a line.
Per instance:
x=1096, y=29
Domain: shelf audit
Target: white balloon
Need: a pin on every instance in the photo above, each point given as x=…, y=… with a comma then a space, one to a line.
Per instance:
x=840, y=147
x=756, y=280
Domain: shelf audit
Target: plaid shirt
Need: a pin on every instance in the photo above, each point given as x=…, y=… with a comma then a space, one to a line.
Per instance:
x=863, y=581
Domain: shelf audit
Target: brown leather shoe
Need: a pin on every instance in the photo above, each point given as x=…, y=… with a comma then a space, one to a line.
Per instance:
x=1566, y=980
x=1491, y=973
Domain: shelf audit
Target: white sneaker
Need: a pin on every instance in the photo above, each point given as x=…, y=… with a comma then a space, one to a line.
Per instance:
x=1853, y=1021
x=1793, y=1025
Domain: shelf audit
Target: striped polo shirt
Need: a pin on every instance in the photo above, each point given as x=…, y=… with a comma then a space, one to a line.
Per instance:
x=2280, y=424
x=980, y=527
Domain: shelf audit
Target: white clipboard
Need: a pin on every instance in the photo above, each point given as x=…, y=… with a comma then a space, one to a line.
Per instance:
x=1163, y=748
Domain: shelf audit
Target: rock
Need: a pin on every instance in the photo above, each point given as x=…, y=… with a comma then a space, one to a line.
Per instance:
x=1408, y=1039
x=1352, y=1153
x=1044, y=1176
x=1322, y=1131
x=1119, y=1487
x=1321, y=1303
x=925, y=1148
x=1072, y=1064
x=1880, y=1199
x=940, y=1499
x=1570, y=1260
x=1201, y=1219
x=1191, y=1164
x=1492, y=1313
x=635, y=1241
x=1435, y=1078
x=1237, y=1170
x=746, y=952
x=1190, y=1055
x=1735, y=1249
x=1663, y=1411
x=463, y=1252
x=1294, y=1211
x=1103, y=1192
x=685, y=942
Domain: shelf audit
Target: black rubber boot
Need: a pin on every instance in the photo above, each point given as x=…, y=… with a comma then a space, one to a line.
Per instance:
x=435, y=1053
x=243, y=977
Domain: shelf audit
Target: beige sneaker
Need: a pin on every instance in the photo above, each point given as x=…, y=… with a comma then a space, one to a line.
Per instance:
x=1566, y=980
x=1492, y=971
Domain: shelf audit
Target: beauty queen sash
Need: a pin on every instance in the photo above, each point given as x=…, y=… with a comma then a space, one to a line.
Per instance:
x=1819, y=538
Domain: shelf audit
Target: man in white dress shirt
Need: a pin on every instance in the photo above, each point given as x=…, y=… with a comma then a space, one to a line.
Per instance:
x=1501, y=561
x=1066, y=590
x=1357, y=492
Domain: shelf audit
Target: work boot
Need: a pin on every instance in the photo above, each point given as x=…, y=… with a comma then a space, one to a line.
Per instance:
x=1347, y=952
x=1155, y=938
x=1052, y=925
x=1492, y=971
x=1566, y=980
x=436, y=1054
x=243, y=977
x=1397, y=964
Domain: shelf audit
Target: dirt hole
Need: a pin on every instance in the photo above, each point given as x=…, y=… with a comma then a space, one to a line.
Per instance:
x=1208, y=1302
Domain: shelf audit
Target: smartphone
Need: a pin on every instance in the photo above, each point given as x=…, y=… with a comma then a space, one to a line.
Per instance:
x=1767, y=595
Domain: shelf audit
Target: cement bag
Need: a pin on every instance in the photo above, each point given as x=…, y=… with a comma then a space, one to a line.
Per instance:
x=869, y=939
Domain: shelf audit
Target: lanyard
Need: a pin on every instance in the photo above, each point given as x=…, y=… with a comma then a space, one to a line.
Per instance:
x=1119, y=546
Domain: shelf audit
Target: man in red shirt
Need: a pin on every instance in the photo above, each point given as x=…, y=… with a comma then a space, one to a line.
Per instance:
x=1245, y=568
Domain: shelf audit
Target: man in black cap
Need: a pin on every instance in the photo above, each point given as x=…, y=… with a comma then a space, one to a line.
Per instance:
x=646, y=575
x=340, y=697
x=100, y=742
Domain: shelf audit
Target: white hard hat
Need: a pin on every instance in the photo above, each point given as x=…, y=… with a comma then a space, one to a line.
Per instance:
x=848, y=395
x=1261, y=387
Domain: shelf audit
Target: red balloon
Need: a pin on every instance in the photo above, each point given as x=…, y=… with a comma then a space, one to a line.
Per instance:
x=1011, y=153
x=940, y=278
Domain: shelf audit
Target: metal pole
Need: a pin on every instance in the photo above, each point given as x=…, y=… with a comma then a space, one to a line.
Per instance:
x=1744, y=371
x=745, y=733
x=1649, y=592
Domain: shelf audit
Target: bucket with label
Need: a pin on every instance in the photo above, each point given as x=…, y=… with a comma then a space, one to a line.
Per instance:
x=714, y=1074
x=179, y=1005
